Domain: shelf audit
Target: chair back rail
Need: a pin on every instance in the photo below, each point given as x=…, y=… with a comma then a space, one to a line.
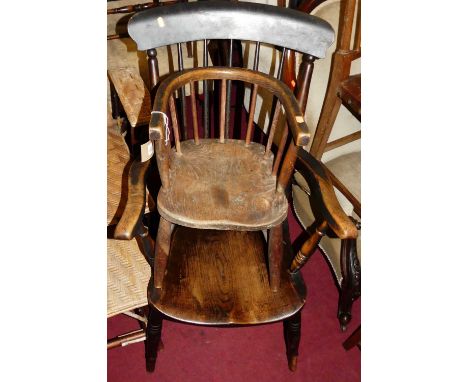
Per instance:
x=207, y=20
x=203, y=21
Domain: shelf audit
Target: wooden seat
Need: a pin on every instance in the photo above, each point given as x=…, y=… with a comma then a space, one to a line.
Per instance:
x=220, y=277
x=231, y=181
x=212, y=264
x=350, y=93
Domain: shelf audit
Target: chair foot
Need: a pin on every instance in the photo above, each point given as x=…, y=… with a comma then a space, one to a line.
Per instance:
x=153, y=338
x=351, y=284
x=292, y=362
x=353, y=340
x=344, y=319
x=292, y=336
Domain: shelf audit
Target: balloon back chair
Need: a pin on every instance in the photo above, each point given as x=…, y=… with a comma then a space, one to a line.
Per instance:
x=222, y=251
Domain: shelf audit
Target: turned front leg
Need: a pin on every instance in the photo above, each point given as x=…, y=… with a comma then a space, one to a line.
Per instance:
x=153, y=337
x=292, y=335
x=308, y=247
x=351, y=283
x=163, y=242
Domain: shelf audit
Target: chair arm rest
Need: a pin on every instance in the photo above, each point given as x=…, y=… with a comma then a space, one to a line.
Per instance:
x=130, y=223
x=325, y=203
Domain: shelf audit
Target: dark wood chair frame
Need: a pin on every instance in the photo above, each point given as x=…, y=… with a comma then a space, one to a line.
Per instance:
x=240, y=21
x=325, y=224
x=342, y=89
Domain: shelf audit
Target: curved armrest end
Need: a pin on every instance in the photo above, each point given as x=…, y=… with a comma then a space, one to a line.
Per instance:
x=130, y=223
x=323, y=195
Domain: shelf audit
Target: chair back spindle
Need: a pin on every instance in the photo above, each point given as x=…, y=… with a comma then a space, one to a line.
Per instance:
x=250, y=22
x=194, y=113
x=175, y=124
x=223, y=106
x=180, y=59
x=153, y=69
x=228, y=97
x=206, y=100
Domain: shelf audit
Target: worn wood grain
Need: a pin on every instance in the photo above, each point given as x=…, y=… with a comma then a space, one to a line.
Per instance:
x=221, y=277
x=350, y=93
x=339, y=72
x=294, y=115
x=343, y=141
x=222, y=186
x=133, y=94
x=325, y=204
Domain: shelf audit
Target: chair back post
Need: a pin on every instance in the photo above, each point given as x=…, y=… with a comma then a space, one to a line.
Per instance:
x=206, y=20
x=339, y=71
x=303, y=80
x=153, y=69
x=301, y=92
x=344, y=36
x=202, y=21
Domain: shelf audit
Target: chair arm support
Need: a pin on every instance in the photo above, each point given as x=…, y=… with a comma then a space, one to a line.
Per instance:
x=324, y=202
x=327, y=211
x=130, y=224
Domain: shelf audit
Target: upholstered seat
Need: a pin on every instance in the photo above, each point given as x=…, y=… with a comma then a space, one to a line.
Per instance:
x=220, y=277
x=227, y=185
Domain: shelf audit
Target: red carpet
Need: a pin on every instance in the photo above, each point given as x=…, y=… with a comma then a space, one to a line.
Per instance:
x=244, y=354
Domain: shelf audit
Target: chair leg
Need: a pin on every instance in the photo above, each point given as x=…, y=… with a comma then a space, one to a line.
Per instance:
x=353, y=340
x=163, y=242
x=292, y=337
x=153, y=337
x=327, y=119
x=331, y=105
x=275, y=256
x=115, y=102
x=351, y=283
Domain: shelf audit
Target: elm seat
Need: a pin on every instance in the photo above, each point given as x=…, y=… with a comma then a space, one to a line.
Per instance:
x=232, y=181
x=220, y=277
x=212, y=264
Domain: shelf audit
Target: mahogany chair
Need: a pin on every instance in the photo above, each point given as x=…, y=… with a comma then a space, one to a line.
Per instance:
x=222, y=253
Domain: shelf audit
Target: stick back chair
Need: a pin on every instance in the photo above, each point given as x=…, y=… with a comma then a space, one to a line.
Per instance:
x=343, y=170
x=220, y=197
x=343, y=88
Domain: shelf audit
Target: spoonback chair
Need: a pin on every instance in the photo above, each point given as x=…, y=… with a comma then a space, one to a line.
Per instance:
x=218, y=193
